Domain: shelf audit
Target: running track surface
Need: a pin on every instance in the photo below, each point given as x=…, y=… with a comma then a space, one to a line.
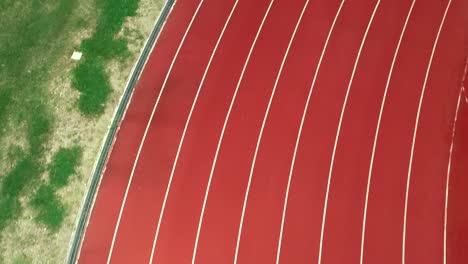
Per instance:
x=279, y=131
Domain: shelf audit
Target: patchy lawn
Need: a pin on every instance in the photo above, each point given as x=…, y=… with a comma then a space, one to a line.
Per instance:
x=48, y=144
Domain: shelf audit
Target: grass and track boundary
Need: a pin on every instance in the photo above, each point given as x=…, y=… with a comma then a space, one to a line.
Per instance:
x=99, y=167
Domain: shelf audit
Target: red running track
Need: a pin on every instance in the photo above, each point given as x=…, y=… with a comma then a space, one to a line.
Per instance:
x=306, y=131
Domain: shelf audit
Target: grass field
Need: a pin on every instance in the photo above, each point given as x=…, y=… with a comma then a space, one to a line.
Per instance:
x=90, y=77
x=50, y=130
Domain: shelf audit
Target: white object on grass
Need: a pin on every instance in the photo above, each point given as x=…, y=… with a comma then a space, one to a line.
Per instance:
x=76, y=55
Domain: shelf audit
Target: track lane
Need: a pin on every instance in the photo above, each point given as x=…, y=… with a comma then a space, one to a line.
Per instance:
x=449, y=168
x=257, y=255
x=426, y=195
x=258, y=241
x=376, y=136
x=179, y=224
x=98, y=235
x=224, y=205
x=343, y=228
x=299, y=132
x=263, y=212
x=319, y=130
x=392, y=154
x=457, y=215
x=338, y=132
x=234, y=96
x=187, y=123
x=146, y=193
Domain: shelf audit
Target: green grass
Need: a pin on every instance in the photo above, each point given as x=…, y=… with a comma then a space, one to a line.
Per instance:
x=28, y=50
x=51, y=211
x=81, y=23
x=91, y=80
x=90, y=77
x=36, y=40
x=64, y=165
x=25, y=171
x=22, y=259
x=9, y=208
x=39, y=128
x=30, y=44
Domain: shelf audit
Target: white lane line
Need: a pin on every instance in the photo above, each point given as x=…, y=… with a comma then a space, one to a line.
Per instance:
x=416, y=131
x=208, y=187
x=298, y=138
x=161, y=215
x=449, y=168
x=371, y=166
x=263, y=126
x=466, y=96
x=463, y=81
x=146, y=132
x=325, y=207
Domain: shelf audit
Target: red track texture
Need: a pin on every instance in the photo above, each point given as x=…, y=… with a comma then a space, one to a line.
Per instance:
x=305, y=131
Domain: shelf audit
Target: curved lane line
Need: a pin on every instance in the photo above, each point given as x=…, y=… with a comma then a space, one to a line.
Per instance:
x=371, y=166
x=200, y=223
x=298, y=138
x=339, y=129
x=464, y=80
x=449, y=168
x=262, y=128
x=187, y=123
x=146, y=131
x=466, y=95
x=416, y=130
